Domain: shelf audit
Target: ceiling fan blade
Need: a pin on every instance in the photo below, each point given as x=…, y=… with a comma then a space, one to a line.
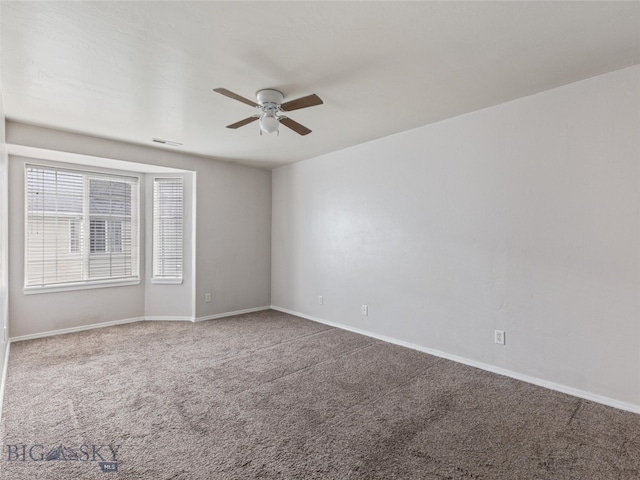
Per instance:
x=242, y=123
x=235, y=96
x=295, y=126
x=303, y=102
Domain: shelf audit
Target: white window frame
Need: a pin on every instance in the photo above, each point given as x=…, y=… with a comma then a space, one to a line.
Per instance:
x=88, y=283
x=158, y=276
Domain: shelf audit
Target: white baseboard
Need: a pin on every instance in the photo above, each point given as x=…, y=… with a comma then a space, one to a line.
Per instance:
x=152, y=318
x=611, y=402
x=231, y=314
x=75, y=329
x=155, y=318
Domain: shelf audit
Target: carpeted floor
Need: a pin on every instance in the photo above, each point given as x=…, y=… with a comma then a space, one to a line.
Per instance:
x=272, y=396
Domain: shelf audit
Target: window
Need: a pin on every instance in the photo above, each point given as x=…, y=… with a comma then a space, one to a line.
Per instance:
x=167, y=230
x=81, y=228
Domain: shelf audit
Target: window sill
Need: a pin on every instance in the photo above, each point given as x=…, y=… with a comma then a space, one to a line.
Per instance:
x=67, y=287
x=166, y=281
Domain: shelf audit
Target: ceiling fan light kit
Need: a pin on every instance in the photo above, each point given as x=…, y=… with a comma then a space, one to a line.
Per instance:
x=269, y=123
x=269, y=103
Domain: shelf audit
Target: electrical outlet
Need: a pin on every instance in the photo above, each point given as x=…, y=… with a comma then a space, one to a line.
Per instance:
x=498, y=337
x=320, y=300
x=207, y=297
x=365, y=310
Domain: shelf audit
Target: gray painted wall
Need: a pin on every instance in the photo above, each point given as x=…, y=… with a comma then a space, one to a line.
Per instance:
x=523, y=217
x=233, y=235
x=4, y=240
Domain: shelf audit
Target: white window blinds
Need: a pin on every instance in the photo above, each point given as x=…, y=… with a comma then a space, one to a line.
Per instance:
x=168, y=220
x=81, y=227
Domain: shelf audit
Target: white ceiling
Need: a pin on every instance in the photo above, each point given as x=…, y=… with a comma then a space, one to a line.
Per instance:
x=136, y=70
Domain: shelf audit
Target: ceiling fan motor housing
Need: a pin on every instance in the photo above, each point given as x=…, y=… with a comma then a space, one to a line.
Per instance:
x=269, y=96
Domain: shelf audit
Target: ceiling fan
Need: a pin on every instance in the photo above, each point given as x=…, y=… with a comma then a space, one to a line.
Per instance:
x=270, y=108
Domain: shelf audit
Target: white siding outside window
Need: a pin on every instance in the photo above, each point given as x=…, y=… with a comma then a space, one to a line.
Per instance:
x=168, y=226
x=81, y=229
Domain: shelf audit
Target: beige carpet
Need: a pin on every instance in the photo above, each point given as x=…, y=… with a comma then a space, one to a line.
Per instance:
x=272, y=396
